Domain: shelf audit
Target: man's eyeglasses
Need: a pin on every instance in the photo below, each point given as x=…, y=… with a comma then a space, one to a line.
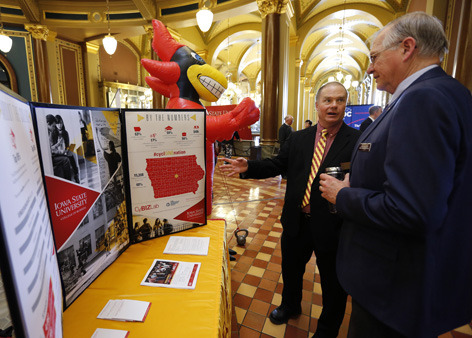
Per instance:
x=373, y=56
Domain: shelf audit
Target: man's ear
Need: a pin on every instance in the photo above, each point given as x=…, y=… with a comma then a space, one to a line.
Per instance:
x=408, y=45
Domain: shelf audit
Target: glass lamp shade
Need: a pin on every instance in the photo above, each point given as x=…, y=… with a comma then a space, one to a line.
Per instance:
x=339, y=76
x=355, y=84
x=204, y=19
x=109, y=43
x=5, y=43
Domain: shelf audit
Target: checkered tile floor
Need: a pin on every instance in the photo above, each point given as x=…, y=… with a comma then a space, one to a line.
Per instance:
x=256, y=279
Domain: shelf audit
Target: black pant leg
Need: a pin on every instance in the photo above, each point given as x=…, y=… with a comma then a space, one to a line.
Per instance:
x=334, y=296
x=296, y=252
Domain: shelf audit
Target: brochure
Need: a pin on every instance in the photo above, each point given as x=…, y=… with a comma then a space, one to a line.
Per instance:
x=172, y=274
x=125, y=310
x=110, y=333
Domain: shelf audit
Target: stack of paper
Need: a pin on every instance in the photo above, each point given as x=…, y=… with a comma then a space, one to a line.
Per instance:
x=125, y=310
x=179, y=245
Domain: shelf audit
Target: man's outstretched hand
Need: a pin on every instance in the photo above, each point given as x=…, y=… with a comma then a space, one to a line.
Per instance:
x=236, y=166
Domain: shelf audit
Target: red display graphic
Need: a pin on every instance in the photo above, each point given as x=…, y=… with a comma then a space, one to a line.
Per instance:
x=68, y=203
x=244, y=132
x=49, y=326
x=195, y=214
x=174, y=175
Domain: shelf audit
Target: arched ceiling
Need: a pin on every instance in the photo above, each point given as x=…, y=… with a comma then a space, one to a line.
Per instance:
x=331, y=34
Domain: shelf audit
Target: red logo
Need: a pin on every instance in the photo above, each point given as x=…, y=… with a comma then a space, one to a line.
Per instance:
x=169, y=128
x=184, y=134
x=49, y=326
x=137, y=128
x=13, y=143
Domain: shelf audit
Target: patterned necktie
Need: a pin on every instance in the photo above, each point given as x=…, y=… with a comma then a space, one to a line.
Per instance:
x=315, y=165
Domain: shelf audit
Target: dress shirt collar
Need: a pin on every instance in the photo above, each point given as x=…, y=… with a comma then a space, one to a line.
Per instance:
x=332, y=131
x=408, y=81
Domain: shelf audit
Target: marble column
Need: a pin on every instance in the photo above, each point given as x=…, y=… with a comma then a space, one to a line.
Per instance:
x=273, y=61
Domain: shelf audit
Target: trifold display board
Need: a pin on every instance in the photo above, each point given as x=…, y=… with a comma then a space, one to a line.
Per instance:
x=27, y=255
x=79, y=185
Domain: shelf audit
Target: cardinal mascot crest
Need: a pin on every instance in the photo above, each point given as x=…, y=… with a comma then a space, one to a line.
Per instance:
x=184, y=77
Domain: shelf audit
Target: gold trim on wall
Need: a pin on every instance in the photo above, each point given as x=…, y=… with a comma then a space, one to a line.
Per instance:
x=29, y=60
x=60, y=66
x=138, y=58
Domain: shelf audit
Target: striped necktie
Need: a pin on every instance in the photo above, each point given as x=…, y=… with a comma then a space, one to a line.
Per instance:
x=315, y=165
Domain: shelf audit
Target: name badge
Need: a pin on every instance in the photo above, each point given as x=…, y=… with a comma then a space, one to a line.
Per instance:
x=364, y=147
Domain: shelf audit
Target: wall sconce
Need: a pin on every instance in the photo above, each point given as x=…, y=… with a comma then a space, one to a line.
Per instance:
x=5, y=41
x=204, y=19
x=109, y=42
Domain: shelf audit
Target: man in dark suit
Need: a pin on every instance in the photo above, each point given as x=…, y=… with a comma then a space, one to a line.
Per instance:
x=405, y=253
x=312, y=227
x=374, y=112
x=285, y=130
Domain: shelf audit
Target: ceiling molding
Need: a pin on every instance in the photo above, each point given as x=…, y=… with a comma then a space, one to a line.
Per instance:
x=31, y=10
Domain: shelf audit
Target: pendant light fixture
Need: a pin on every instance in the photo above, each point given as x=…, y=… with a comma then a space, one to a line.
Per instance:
x=204, y=18
x=5, y=41
x=109, y=42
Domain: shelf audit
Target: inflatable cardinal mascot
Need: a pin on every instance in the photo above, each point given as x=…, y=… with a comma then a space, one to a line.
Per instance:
x=184, y=77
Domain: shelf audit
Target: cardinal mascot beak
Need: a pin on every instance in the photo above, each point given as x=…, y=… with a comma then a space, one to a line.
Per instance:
x=207, y=81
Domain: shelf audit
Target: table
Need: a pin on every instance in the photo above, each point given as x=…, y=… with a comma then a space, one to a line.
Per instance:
x=203, y=312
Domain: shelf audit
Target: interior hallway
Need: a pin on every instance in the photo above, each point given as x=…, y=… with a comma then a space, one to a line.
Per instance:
x=256, y=279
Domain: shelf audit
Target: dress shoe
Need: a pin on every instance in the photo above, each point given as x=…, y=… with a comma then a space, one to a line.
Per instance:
x=232, y=258
x=282, y=314
x=232, y=252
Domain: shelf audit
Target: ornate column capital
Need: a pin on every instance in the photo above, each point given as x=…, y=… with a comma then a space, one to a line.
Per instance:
x=271, y=7
x=41, y=32
x=149, y=31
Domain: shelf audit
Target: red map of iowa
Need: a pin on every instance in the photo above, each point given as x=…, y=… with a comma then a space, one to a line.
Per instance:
x=172, y=176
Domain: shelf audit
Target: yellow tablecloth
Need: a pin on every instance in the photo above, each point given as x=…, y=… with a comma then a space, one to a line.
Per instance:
x=203, y=312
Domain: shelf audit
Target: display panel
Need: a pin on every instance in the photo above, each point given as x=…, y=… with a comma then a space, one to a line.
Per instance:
x=29, y=261
x=166, y=155
x=81, y=153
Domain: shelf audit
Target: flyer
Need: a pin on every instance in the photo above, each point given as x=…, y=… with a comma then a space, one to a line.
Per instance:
x=172, y=274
